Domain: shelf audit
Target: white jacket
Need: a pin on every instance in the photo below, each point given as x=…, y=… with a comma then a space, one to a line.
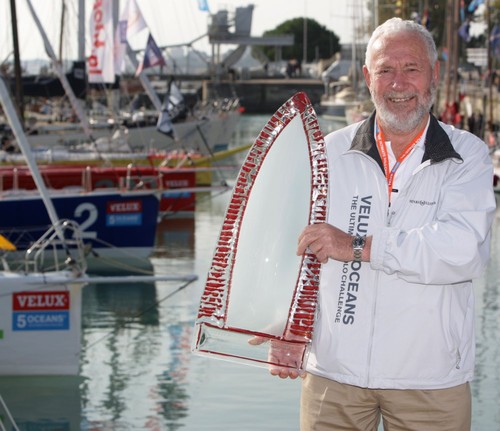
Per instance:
x=405, y=320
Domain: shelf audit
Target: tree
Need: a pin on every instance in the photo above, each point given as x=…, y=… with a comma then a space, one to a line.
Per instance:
x=321, y=42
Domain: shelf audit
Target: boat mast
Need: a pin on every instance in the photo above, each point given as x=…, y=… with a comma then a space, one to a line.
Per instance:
x=61, y=32
x=304, y=40
x=455, y=51
x=449, y=49
x=60, y=74
x=17, y=63
x=81, y=30
x=354, y=65
x=489, y=65
x=145, y=82
x=24, y=145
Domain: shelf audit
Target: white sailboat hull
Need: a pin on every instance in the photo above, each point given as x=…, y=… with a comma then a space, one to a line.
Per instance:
x=214, y=131
x=40, y=324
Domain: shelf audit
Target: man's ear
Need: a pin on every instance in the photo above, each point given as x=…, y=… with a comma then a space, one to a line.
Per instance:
x=366, y=73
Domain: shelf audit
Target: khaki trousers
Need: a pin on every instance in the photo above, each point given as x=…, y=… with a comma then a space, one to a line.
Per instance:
x=330, y=406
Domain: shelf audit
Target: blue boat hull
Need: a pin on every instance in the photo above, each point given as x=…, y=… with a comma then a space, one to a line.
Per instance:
x=110, y=222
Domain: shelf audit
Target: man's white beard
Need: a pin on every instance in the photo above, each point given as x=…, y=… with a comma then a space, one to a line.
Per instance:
x=403, y=122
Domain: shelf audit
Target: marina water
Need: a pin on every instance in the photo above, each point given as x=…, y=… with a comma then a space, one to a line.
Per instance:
x=137, y=371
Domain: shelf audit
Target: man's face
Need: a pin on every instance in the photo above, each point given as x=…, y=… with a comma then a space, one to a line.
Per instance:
x=402, y=82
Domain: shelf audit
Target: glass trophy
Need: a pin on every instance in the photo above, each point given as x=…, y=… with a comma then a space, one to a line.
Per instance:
x=259, y=302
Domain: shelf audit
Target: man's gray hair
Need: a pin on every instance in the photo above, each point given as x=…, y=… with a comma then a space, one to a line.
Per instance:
x=397, y=25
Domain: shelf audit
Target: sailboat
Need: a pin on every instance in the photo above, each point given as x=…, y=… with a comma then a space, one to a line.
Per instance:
x=40, y=302
x=201, y=127
x=345, y=90
x=117, y=207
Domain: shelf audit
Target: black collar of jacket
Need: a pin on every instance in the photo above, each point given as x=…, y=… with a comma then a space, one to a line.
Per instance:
x=438, y=146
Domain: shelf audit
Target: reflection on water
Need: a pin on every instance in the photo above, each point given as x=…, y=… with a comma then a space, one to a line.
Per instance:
x=134, y=356
x=175, y=237
x=41, y=403
x=137, y=372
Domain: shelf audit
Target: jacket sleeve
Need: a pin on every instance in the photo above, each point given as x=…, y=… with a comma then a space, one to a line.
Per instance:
x=454, y=246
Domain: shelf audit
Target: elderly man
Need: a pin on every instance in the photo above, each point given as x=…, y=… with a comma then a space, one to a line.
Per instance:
x=411, y=206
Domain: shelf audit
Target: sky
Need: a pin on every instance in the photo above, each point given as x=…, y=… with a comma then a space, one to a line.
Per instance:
x=170, y=21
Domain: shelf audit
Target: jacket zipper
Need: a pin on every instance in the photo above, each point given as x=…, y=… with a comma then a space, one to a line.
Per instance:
x=374, y=307
x=376, y=284
x=390, y=214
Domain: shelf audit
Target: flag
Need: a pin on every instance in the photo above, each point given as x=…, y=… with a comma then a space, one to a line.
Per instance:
x=135, y=20
x=444, y=54
x=131, y=22
x=474, y=4
x=495, y=40
x=152, y=56
x=5, y=244
x=101, y=67
x=175, y=97
x=425, y=19
x=463, y=31
x=172, y=109
x=203, y=5
x=164, y=124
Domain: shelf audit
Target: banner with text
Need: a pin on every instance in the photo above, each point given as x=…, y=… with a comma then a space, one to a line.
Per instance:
x=101, y=60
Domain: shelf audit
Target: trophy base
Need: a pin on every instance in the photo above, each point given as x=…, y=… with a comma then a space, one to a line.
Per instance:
x=245, y=347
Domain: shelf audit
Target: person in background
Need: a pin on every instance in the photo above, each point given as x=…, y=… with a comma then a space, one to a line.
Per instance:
x=411, y=205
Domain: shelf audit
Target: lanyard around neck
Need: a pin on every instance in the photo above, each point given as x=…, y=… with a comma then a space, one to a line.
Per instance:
x=382, y=149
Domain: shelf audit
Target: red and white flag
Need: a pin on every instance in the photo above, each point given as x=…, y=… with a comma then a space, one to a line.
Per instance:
x=100, y=64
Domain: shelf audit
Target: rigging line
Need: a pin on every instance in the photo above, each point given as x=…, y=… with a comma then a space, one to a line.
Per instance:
x=155, y=304
x=210, y=195
x=112, y=246
x=211, y=153
x=114, y=263
x=9, y=415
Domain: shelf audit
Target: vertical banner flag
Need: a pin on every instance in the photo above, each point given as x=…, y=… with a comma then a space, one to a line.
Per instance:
x=131, y=22
x=203, y=5
x=100, y=62
x=152, y=56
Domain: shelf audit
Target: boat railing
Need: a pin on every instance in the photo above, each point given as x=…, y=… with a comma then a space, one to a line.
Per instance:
x=15, y=180
x=60, y=247
x=131, y=180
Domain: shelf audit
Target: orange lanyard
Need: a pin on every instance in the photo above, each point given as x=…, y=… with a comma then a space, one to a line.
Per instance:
x=382, y=149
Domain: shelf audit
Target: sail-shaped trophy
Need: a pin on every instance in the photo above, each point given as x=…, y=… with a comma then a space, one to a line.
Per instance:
x=259, y=302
